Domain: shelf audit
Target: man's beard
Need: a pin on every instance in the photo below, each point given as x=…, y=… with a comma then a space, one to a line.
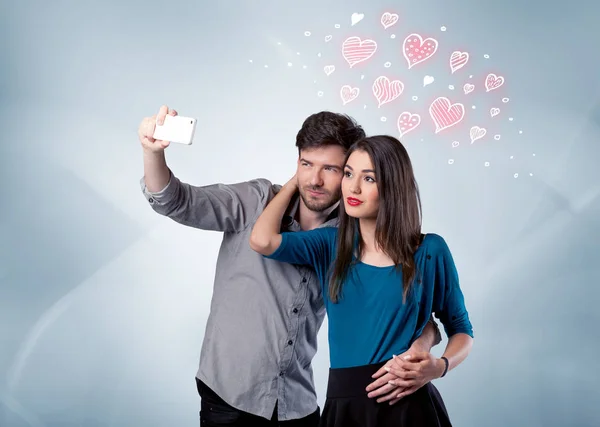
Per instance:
x=325, y=202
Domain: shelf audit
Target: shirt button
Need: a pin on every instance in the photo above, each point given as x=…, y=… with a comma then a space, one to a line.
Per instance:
x=281, y=374
x=295, y=310
x=290, y=342
x=428, y=256
x=304, y=280
x=151, y=200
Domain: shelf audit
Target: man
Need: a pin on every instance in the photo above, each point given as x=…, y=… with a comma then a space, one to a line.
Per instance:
x=261, y=334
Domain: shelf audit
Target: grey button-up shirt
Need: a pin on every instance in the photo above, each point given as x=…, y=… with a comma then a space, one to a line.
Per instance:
x=261, y=333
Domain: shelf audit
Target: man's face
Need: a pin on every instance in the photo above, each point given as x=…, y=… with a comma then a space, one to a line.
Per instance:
x=319, y=173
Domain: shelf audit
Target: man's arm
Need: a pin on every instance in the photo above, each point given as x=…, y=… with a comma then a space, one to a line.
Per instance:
x=430, y=337
x=381, y=388
x=218, y=207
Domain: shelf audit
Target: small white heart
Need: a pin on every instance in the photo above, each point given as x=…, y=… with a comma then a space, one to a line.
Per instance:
x=455, y=144
x=356, y=18
x=327, y=38
x=427, y=80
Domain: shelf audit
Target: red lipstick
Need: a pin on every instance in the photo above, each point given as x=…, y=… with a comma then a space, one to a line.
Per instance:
x=353, y=202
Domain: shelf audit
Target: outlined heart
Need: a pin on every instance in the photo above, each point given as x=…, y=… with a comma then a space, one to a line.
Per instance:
x=329, y=69
x=494, y=111
x=458, y=60
x=388, y=19
x=445, y=114
x=468, y=88
x=386, y=91
x=408, y=122
x=477, y=133
x=493, y=81
x=348, y=93
x=355, y=50
x=417, y=50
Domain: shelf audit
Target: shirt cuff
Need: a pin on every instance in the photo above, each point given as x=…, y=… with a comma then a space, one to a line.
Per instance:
x=163, y=196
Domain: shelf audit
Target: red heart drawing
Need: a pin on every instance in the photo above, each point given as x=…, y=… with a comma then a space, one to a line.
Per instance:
x=355, y=50
x=408, y=122
x=417, y=50
x=445, y=114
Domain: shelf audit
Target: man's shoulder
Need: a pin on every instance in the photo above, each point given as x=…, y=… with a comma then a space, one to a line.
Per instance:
x=262, y=183
x=262, y=187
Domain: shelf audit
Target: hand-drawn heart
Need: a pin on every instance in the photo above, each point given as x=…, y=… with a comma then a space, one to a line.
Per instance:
x=328, y=38
x=356, y=50
x=477, y=133
x=388, y=19
x=386, y=91
x=468, y=88
x=408, y=122
x=458, y=60
x=427, y=80
x=493, y=82
x=348, y=93
x=417, y=50
x=356, y=18
x=445, y=114
x=329, y=69
x=455, y=144
x=494, y=112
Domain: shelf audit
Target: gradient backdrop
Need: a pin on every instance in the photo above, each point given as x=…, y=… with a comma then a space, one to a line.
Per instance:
x=103, y=303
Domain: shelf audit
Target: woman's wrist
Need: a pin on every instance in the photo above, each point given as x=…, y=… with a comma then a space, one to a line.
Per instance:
x=442, y=365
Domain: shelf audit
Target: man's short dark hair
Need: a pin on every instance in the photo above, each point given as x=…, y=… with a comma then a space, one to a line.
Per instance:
x=327, y=128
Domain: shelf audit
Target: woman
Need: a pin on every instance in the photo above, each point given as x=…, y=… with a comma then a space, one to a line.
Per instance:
x=381, y=280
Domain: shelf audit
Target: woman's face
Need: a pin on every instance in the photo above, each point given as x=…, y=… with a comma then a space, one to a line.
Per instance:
x=359, y=187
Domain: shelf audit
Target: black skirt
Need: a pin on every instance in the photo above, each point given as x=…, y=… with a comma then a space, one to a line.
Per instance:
x=347, y=404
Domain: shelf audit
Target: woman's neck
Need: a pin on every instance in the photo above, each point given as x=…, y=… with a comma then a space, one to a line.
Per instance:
x=372, y=254
x=367, y=232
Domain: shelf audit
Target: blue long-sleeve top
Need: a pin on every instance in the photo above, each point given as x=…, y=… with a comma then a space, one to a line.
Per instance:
x=370, y=322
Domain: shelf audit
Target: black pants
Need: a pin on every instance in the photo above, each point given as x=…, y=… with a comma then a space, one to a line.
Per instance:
x=347, y=404
x=214, y=412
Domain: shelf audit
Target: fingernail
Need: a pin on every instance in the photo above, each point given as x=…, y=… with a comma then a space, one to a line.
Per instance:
x=391, y=382
x=387, y=368
x=407, y=357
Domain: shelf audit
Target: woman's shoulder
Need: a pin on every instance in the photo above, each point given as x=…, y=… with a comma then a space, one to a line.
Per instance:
x=434, y=244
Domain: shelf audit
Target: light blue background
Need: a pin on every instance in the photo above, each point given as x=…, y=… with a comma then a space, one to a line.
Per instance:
x=103, y=303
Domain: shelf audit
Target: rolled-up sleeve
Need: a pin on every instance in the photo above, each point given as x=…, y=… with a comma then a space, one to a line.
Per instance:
x=216, y=207
x=449, y=301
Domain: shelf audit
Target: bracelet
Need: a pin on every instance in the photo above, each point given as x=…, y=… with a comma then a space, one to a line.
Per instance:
x=446, y=368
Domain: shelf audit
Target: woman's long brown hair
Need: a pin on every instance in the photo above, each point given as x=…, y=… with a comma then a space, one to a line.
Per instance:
x=398, y=224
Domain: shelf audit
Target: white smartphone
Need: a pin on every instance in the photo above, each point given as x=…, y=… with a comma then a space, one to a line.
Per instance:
x=176, y=129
